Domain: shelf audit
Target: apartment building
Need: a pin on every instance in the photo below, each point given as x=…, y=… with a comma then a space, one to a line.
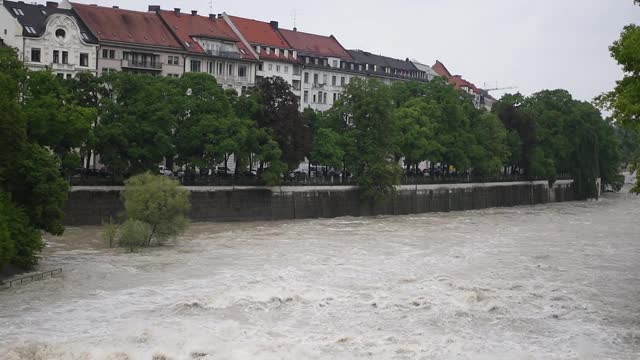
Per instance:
x=277, y=57
x=131, y=41
x=323, y=76
x=48, y=37
x=212, y=47
x=386, y=69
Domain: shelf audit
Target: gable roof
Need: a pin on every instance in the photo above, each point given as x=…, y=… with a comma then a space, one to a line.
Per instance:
x=441, y=70
x=126, y=26
x=187, y=26
x=365, y=57
x=36, y=16
x=312, y=44
x=259, y=32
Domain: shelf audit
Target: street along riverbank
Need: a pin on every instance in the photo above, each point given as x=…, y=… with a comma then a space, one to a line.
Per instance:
x=94, y=205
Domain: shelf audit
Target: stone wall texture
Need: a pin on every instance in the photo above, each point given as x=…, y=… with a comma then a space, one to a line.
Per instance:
x=94, y=205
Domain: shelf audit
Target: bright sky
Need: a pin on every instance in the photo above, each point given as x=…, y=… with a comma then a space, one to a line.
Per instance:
x=531, y=44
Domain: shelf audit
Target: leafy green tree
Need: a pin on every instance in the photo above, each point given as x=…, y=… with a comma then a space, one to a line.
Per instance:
x=624, y=99
x=137, y=122
x=159, y=202
x=418, y=141
x=85, y=89
x=490, y=149
x=365, y=110
x=280, y=113
x=32, y=191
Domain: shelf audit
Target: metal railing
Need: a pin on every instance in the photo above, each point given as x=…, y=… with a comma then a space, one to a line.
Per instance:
x=33, y=277
x=141, y=64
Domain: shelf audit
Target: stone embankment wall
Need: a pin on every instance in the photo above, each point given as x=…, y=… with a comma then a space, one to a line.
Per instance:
x=93, y=205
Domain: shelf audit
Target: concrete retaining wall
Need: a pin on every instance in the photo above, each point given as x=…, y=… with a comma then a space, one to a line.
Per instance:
x=93, y=205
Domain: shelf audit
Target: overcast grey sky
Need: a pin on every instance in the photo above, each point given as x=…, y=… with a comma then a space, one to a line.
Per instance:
x=532, y=44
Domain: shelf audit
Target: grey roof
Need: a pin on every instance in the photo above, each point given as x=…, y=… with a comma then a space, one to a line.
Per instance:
x=425, y=68
x=36, y=15
x=369, y=58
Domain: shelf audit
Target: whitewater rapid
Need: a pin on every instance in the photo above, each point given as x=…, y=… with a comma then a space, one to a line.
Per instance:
x=558, y=281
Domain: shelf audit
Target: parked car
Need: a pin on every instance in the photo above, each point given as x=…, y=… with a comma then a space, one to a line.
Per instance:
x=222, y=171
x=164, y=171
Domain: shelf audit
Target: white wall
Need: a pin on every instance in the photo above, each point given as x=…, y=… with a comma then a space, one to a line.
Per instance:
x=10, y=30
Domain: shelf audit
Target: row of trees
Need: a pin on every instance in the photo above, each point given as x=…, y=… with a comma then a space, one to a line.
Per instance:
x=373, y=126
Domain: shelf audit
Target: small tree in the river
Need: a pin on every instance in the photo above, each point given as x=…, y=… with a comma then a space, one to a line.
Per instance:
x=156, y=207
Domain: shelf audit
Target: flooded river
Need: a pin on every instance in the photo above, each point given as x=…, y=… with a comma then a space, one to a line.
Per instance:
x=559, y=281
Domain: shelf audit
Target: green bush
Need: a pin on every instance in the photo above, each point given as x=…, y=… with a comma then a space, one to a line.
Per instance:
x=133, y=234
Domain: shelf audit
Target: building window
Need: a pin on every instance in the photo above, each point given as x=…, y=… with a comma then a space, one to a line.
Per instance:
x=324, y=100
x=108, y=54
x=220, y=68
x=230, y=69
x=84, y=36
x=335, y=97
x=35, y=55
x=260, y=67
x=68, y=76
x=306, y=78
x=112, y=54
x=30, y=29
x=195, y=66
x=270, y=67
x=56, y=56
x=84, y=59
x=315, y=78
x=277, y=68
x=211, y=67
x=174, y=60
x=324, y=79
x=242, y=71
x=314, y=99
x=334, y=80
x=286, y=69
x=335, y=63
x=60, y=75
x=342, y=81
x=306, y=96
x=243, y=90
x=65, y=57
x=18, y=12
x=61, y=34
x=306, y=60
x=105, y=53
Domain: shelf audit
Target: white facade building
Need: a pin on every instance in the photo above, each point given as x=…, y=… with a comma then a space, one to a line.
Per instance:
x=48, y=37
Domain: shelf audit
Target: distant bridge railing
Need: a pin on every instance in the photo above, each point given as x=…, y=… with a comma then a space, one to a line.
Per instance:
x=33, y=277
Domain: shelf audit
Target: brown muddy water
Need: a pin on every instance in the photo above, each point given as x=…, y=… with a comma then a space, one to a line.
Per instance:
x=558, y=281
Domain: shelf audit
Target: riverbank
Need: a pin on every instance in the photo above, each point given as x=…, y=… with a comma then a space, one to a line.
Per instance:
x=95, y=205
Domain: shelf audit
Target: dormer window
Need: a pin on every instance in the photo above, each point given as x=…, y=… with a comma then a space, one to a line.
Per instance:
x=18, y=12
x=61, y=34
x=258, y=49
x=187, y=44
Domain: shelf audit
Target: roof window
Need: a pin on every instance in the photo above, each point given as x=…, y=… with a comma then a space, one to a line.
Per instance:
x=18, y=12
x=84, y=36
x=43, y=11
x=30, y=29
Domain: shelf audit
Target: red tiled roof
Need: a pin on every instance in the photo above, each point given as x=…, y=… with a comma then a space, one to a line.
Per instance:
x=441, y=70
x=187, y=26
x=456, y=80
x=315, y=44
x=109, y=24
x=259, y=32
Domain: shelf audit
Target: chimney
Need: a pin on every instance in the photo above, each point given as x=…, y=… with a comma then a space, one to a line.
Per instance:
x=154, y=8
x=212, y=16
x=194, y=12
x=116, y=7
x=274, y=24
x=52, y=4
x=295, y=29
x=176, y=11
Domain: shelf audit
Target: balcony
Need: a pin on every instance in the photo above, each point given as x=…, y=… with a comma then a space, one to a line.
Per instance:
x=147, y=65
x=318, y=86
x=224, y=54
